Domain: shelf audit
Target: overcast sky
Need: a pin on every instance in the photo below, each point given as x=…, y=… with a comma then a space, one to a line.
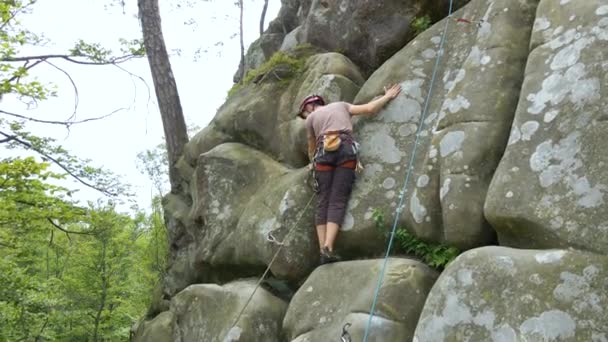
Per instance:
x=203, y=81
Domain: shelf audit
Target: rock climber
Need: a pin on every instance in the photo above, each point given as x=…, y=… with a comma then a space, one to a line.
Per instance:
x=333, y=153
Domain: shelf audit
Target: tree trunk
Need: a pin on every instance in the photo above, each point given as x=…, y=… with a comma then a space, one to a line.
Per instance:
x=104, y=293
x=242, y=64
x=176, y=134
x=263, y=17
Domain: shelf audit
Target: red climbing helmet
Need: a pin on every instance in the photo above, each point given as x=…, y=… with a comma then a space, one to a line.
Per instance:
x=311, y=99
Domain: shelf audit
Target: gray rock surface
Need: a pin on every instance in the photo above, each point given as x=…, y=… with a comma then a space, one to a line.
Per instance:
x=343, y=292
x=504, y=294
x=551, y=185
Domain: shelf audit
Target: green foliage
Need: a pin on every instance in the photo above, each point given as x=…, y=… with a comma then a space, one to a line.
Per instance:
x=70, y=272
x=279, y=59
x=420, y=24
x=434, y=255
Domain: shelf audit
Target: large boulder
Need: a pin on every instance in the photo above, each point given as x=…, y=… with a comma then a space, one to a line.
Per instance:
x=343, y=292
x=503, y=294
x=550, y=187
x=158, y=329
x=262, y=114
x=207, y=312
x=242, y=199
x=368, y=32
x=471, y=103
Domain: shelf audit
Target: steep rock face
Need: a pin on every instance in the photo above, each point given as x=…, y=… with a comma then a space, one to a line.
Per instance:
x=464, y=133
x=503, y=294
x=342, y=293
x=550, y=187
x=241, y=199
x=263, y=114
x=243, y=183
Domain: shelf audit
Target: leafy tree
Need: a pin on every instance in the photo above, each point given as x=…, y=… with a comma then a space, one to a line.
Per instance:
x=16, y=82
x=70, y=272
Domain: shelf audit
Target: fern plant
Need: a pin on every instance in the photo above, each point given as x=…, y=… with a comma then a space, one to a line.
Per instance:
x=435, y=255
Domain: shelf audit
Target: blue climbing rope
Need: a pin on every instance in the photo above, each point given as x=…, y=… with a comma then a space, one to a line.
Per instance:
x=407, y=176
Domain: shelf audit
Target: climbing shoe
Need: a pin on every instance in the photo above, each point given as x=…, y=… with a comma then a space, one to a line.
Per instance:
x=328, y=257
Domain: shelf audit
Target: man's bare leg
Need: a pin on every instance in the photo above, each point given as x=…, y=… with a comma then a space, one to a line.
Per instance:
x=321, y=229
x=331, y=234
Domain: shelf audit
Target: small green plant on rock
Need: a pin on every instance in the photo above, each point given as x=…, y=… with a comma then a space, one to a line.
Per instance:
x=420, y=24
x=435, y=255
x=295, y=66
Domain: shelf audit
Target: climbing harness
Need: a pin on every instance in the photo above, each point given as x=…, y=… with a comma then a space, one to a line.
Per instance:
x=345, y=337
x=407, y=176
x=274, y=257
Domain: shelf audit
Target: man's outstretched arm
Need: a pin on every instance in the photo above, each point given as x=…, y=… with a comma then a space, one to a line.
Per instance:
x=374, y=106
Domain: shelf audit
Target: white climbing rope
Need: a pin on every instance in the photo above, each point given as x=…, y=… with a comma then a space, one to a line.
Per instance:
x=407, y=176
x=276, y=254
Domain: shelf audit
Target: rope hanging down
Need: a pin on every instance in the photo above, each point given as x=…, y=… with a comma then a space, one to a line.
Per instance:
x=408, y=174
x=276, y=254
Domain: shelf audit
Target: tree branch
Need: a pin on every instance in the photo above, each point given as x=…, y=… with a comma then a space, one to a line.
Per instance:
x=116, y=60
x=67, y=232
x=46, y=155
x=64, y=123
x=27, y=67
x=76, y=97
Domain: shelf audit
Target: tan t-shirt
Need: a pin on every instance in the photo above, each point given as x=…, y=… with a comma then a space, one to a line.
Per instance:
x=332, y=117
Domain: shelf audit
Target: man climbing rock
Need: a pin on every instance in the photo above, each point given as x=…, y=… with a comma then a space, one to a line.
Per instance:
x=333, y=153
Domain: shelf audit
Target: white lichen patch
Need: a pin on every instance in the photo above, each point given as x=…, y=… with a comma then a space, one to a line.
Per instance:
x=549, y=257
x=417, y=210
x=436, y=40
x=465, y=277
x=450, y=85
x=578, y=291
x=571, y=85
x=413, y=88
x=286, y=203
x=456, y=104
x=541, y=24
x=560, y=40
x=569, y=55
x=445, y=188
x=381, y=145
x=423, y=181
x=515, y=135
x=528, y=129
x=602, y=10
x=504, y=333
x=451, y=142
x=405, y=110
x=559, y=163
x=234, y=334
x=406, y=130
x=551, y=325
x=389, y=183
x=550, y=115
x=429, y=53
x=509, y=194
x=433, y=152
